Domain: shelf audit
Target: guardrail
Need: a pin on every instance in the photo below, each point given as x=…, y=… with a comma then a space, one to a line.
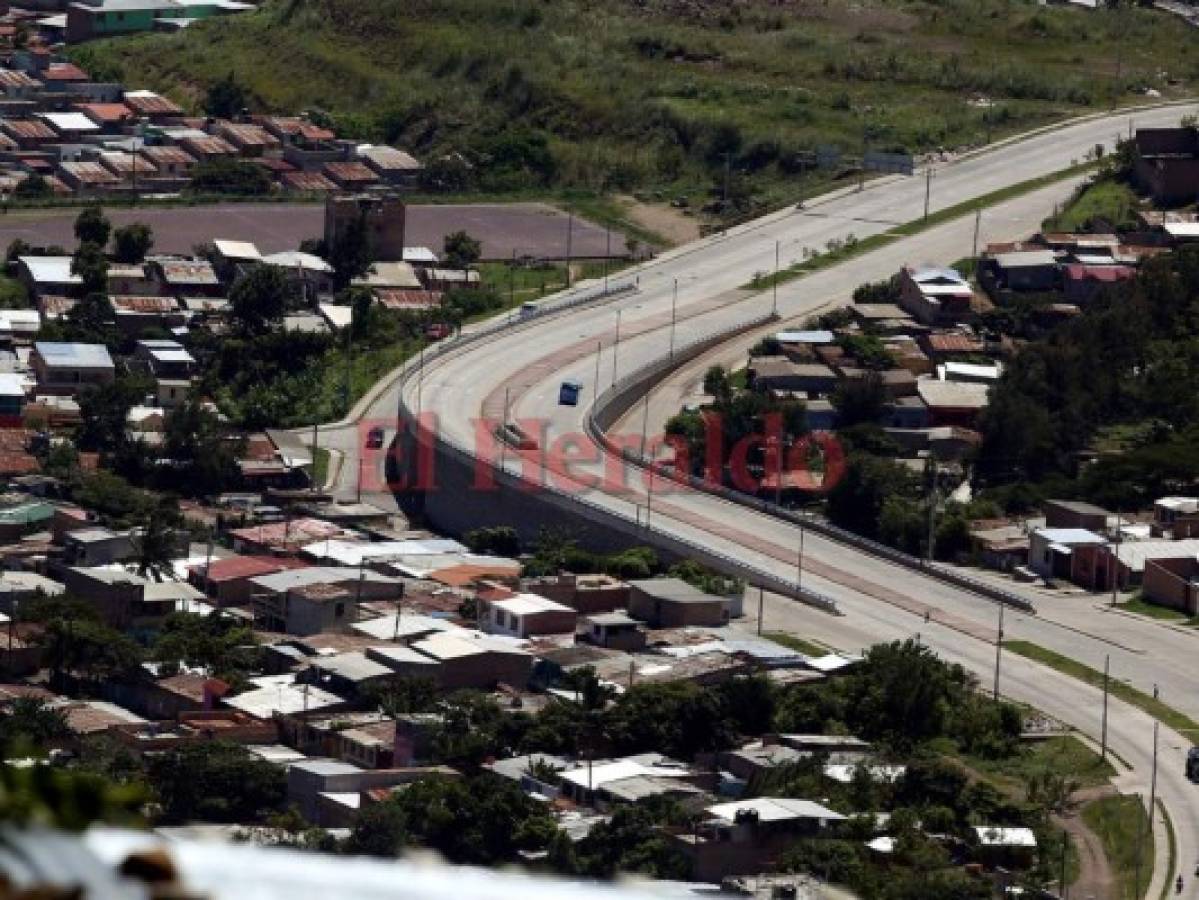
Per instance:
x=685, y=547
x=618, y=399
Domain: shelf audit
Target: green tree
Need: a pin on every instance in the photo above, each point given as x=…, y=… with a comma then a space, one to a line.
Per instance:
x=104, y=413
x=225, y=98
x=679, y=719
x=90, y=264
x=857, y=501
x=216, y=781
x=417, y=694
x=203, y=454
x=89, y=321
x=71, y=800
x=259, y=298
x=351, y=253
x=19, y=247
x=502, y=540
x=132, y=242
x=88, y=649
x=93, y=227
x=859, y=400
x=630, y=842
x=461, y=250
x=33, y=187
x=475, y=821
x=31, y=723
x=229, y=176
x=717, y=384
x=216, y=642
x=380, y=829
x=156, y=542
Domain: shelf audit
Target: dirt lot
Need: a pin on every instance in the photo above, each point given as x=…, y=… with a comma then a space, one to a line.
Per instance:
x=662, y=219
x=531, y=229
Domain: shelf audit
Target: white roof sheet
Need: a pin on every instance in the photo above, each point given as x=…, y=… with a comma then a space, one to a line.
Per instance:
x=1135, y=553
x=529, y=604
x=290, y=579
x=844, y=774
x=805, y=337
x=79, y=356
x=1000, y=836
x=420, y=255
x=338, y=316
x=281, y=695
x=449, y=645
x=236, y=249
x=296, y=259
x=1021, y=259
x=50, y=269
x=69, y=121
x=1070, y=536
x=618, y=770
x=775, y=809
x=1182, y=229
x=353, y=553
x=386, y=628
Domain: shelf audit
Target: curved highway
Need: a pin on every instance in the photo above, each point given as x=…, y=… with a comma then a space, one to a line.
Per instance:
x=518, y=373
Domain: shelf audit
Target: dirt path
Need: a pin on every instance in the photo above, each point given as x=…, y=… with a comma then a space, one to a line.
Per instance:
x=1096, y=881
x=661, y=219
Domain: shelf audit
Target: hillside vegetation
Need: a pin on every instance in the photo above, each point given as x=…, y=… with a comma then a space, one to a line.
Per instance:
x=662, y=95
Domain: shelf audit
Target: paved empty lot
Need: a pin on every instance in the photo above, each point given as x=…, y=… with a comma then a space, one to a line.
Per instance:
x=531, y=229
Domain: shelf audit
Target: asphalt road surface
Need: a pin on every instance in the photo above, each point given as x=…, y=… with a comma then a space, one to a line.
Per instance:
x=879, y=600
x=528, y=229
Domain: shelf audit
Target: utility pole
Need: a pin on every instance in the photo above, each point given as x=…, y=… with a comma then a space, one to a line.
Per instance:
x=315, y=440
x=504, y=433
x=1103, y=730
x=349, y=360
x=616, y=346
x=674, y=302
x=978, y=215
x=774, y=306
x=728, y=168
x=998, y=649
x=512, y=281
x=862, y=168
x=799, y=560
x=358, y=492
x=644, y=423
x=761, y=607
x=932, y=515
x=649, y=499
x=607, y=255
x=599, y=351
x=928, y=187
x=420, y=380
x=1062, y=887
x=1115, y=570
x=570, y=229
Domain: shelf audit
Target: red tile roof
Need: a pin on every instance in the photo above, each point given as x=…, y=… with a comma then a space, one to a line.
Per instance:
x=235, y=567
x=953, y=343
x=349, y=171
x=148, y=103
x=30, y=129
x=65, y=72
x=1105, y=274
x=307, y=181
x=399, y=299
x=106, y=113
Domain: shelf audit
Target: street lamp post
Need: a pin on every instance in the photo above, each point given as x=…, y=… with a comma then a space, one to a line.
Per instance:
x=674, y=301
x=774, y=307
x=616, y=346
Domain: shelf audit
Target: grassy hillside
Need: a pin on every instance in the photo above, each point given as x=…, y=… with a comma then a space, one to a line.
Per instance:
x=616, y=95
